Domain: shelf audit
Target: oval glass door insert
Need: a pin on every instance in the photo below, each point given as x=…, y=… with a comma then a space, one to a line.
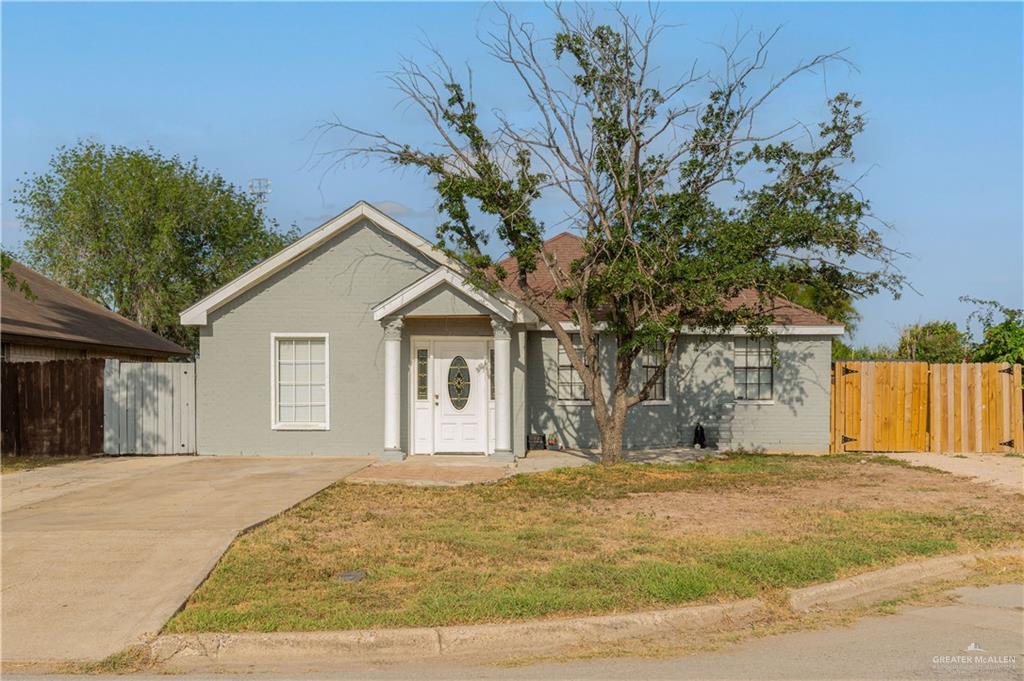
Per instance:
x=458, y=382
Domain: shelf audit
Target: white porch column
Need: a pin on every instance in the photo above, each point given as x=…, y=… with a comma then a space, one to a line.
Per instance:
x=392, y=390
x=502, y=391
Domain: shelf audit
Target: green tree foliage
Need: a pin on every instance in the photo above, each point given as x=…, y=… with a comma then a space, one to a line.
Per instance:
x=144, y=234
x=682, y=198
x=938, y=342
x=843, y=352
x=1001, y=341
x=11, y=280
x=835, y=305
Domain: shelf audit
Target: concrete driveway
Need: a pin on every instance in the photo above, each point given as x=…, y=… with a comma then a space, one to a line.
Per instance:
x=97, y=554
x=994, y=469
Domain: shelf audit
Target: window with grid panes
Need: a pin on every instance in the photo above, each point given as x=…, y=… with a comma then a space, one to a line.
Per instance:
x=301, y=376
x=753, y=371
x=650, y=360
x=570, y=384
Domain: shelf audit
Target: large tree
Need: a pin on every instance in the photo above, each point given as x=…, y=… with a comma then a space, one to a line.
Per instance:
x=936, y=342
x=144, y=234
x=683, y=199
x=1001, y=341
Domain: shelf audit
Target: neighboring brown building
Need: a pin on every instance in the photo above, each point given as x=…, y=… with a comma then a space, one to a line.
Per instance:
x=63, y=324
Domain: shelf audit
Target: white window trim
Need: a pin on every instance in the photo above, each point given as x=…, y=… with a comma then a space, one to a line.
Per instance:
x=737, y=400
x=274, y=424
x=564, y=402
x=664, y=378
x=574, y=402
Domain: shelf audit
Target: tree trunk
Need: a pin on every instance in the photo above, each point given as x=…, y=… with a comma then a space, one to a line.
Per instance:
x=612, y=431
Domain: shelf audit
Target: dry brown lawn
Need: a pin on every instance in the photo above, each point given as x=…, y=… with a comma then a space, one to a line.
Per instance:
x=590, y=540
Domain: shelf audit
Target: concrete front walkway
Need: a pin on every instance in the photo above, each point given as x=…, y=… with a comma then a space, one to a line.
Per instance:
x=435, y=471
x=459, y=469
x=99, y=553
x=1002, y=471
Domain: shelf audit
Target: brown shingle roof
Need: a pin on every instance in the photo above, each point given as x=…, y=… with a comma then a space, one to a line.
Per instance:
x=59, y=314
x=567, y=247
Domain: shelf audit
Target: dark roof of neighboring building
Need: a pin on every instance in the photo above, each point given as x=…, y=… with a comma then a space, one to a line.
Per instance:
x=567, y=247
x=60, y=315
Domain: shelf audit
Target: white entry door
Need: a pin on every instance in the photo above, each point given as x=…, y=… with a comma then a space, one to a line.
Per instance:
x=460, y=390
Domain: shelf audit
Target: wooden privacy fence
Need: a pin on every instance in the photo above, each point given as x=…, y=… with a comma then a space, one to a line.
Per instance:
x=92, y=406
x=52, y=408
x=149, y=408
x=917, y=407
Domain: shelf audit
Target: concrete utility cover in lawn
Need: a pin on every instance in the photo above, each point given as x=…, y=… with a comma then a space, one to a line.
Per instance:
x=99, y=553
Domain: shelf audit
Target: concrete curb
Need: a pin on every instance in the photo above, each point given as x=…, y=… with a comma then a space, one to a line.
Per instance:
x=878, y=584
x=255, y=650
x=382, y=645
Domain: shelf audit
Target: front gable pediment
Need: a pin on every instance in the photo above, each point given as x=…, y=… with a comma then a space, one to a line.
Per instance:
x=441, y=290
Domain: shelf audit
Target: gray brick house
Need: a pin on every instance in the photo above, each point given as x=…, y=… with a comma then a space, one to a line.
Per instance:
x=362, y=338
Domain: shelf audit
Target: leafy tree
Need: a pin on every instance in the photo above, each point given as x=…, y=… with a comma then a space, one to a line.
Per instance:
x=835, y=305
x=843, y=352
x=682, y=198
x=938, y=342
x=11, y=280
x=144, y=234
x=1001, y=341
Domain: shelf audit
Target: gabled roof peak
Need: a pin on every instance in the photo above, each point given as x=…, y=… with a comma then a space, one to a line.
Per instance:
x=197, y=314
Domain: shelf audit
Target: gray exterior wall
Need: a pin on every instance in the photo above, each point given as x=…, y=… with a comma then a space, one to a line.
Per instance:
x=699, y=389
x=798, y=420
x=332, y=290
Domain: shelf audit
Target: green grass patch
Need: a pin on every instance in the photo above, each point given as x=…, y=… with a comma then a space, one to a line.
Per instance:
x=15, y=464
x=589, y=540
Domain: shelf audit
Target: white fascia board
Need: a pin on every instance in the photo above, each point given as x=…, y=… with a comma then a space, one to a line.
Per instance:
x=197, y=314
x=436, y=278
x=780, y=330
x=776, y=329
x=572, y=327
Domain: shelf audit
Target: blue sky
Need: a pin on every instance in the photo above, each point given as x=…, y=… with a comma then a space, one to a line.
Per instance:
x=242, y=87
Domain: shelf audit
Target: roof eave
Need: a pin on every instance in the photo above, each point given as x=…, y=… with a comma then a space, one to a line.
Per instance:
x=100, y=346
x=198, y=314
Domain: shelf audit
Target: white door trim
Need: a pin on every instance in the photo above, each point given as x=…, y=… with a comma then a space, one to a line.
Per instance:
x=427, y=410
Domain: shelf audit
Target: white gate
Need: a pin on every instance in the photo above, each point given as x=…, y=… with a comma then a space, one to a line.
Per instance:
x=149, y=407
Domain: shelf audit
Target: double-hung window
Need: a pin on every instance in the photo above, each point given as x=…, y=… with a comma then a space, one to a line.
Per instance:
x=570, y=384
x=301, y=396
x=753, y=368
x=650, y=360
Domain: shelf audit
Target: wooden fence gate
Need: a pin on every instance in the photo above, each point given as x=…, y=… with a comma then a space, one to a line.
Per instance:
x=917, y=407
x=52, y=408
x=149, y=408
